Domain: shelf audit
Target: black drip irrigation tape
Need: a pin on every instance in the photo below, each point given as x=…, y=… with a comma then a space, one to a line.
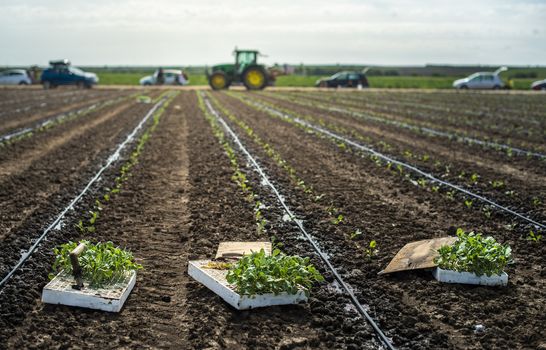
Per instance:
x=451, y=136
x=382, y=337
x=113, y=157
x=58, y=118
x=397, y=162
x=431, y=131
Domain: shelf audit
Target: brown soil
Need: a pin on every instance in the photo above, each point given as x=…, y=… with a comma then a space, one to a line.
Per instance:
x=180, y=202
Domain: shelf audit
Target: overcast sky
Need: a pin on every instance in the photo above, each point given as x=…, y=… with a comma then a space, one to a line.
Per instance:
x=160, y=32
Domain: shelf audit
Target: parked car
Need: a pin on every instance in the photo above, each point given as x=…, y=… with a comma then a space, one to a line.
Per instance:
x=344, y=79
x=539, y=85
x=62, y=73
x=15, y=77
x=482, y=80
x=170, y=77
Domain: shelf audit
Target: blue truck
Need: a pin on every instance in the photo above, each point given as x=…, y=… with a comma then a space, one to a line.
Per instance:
x=62, y=73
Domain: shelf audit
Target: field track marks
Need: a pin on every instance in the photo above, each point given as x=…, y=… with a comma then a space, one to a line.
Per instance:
x=19, y=165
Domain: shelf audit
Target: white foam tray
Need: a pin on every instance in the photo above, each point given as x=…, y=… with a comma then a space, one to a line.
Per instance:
x=59, y=291
x=215, y=280
x=450, y=276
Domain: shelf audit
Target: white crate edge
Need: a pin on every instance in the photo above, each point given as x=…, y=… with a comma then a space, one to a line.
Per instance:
x=220, y=287
x=450, y=276
x=77, y=298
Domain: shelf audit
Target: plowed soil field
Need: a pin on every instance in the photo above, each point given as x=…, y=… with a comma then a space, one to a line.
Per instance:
x=355, y=167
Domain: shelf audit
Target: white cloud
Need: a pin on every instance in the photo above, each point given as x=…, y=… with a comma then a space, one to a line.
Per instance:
x=171, y=32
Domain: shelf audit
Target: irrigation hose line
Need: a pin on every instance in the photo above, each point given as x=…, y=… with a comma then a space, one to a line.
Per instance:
x=280, y=198
x=430, y=131
x=57, y=221
x=448, y=135
x=397, y=162
x=60, y=117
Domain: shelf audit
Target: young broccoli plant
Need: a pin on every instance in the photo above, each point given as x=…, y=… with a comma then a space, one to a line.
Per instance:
x=259, y=273
x=474, y=253
x=372, y=250
x=102, y=264
x=534, y=237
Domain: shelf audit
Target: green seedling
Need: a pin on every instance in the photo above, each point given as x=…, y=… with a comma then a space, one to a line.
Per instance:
x=356, y=234
x=534, y=237
x=474, y=178
x=474, y=253
x=497, y=184
x=338, y=220
x=102, y=264
x=319, y=197
x=536, y=201
x=468, y=203
x=80, y=226
x=372, y=250
x=258, y=273
x=435, y=188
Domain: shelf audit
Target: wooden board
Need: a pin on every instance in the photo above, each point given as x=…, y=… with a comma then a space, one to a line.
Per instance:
x=235, y=250
x=417, y=255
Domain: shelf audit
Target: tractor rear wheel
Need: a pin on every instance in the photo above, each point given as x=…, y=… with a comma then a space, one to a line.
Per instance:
x=255, y=78
x=218, y=80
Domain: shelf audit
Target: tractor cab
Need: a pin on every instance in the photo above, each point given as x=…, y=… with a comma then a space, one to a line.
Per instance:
x=246, y=70
x=244, y=58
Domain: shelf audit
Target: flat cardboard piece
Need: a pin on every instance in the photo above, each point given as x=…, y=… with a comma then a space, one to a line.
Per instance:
x=235, y=250
x=417, y=255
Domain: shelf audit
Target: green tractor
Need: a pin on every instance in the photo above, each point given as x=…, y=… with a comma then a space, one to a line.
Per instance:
x=246, y=70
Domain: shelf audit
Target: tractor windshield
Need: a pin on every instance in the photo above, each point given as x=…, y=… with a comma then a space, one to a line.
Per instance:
x=246, y=58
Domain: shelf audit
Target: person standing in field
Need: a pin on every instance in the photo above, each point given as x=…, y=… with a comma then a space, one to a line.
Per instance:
x=160, y=77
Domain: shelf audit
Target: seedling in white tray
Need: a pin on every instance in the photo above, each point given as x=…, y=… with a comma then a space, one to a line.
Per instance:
x=96, y=276
x=473, y=259
x=258, y=279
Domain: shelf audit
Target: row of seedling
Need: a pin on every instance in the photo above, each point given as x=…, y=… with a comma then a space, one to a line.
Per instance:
x=468, y=202
x=335, y=214
x=428, y=121
x=238, y=175
x=470, y=253
x=104, y=274
x=61, y=119
x=426, y=129
x=253, y=278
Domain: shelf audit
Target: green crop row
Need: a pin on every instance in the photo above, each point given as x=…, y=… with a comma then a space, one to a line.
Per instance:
x=238, y=175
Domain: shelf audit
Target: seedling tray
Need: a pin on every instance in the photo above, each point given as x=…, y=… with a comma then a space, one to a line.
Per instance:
x=60, y=291
x=450, y=276
x=215, y=280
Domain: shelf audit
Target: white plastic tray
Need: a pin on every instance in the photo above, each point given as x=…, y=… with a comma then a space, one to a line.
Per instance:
x=59, y=291
x=215, y=280
x=450, y=276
